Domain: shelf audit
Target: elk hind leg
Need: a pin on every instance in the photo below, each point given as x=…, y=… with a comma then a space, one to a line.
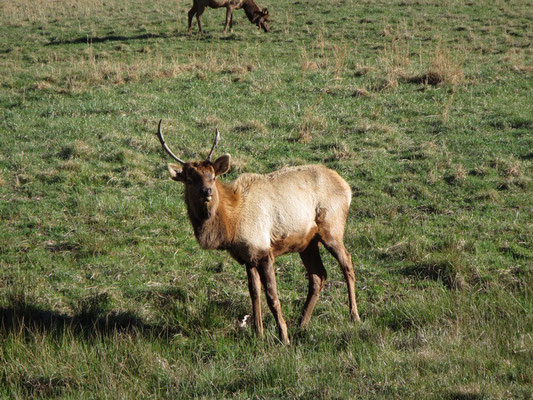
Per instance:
x=229, y=17
x=254, y=286
x=335, y=245
x=268, y=278
x=316, y=273
x=199, y=12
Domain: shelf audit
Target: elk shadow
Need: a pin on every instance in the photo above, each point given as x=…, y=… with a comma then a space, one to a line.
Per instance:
x=113, y=38
x=231, y=37
x=527, y=156
x=22, y=316
x=92, y=317
x=215, y=36
x=437, y=271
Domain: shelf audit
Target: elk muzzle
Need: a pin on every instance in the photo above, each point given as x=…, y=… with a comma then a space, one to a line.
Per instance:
x=264, y=26
x=206, y=193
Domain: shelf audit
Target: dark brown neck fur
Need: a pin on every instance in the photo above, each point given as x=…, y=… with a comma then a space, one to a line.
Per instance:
x=251, y=9
x=215, y=229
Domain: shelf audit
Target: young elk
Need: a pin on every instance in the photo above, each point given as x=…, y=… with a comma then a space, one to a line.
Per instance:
x=257, y=218
x=256, y=15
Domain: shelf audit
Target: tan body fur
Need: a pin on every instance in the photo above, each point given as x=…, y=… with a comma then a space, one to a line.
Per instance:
x=259, y=217
x=256, y=15
x=269, y=210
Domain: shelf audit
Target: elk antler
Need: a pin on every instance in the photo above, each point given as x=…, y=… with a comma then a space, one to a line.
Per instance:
x=160, y=136
x=217, y=139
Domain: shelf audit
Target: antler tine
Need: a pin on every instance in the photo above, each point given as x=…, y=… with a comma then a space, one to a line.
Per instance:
x=160, y=136
x=217, y=139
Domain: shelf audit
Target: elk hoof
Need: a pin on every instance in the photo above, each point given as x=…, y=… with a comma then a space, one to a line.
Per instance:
x=355, y=318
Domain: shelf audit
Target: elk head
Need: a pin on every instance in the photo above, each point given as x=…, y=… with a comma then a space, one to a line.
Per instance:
x=261, y=19
x=199, y=178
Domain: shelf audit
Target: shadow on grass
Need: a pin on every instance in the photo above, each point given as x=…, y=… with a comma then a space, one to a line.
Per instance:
x=528, y=156
x=112, y=38
x=230, y=37
x=43, y=386
x=460, y=395
x=23, y=316
x=438, y=271
x=93, y=316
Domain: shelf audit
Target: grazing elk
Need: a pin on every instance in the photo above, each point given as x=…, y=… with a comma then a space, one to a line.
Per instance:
x=255, y=14
x=259, y=217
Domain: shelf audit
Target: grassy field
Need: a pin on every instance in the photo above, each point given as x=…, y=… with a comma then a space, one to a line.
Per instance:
x=425, y=107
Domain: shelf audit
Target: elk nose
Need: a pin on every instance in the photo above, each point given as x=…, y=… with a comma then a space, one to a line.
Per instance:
x=206, y=192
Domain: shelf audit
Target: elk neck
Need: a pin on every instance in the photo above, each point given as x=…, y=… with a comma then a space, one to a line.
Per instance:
x=214, y=223
x=250, y=9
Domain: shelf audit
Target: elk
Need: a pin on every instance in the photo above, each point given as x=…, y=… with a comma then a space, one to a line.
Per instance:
x=256, y=15
x=257, y=218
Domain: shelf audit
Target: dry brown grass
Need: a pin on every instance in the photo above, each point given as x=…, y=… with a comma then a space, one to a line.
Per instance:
x=509, y=168
x=238, y=164
x=210, y=121
x=325, y=56
x=360, y=92
x=25, y=11
x=394, y=60
x=384, y=129
x=518, y=60
x=522, y=68
x=447, y=107
x=251, y=125
x=311, y=122
x=82, y=72
x=307, y=61
x=360, y=70
x=444, y=68
x=339, y=60
x=342, y=151
x=22, y=12
x=79, y=149
x=459, y=173
x=346, y=90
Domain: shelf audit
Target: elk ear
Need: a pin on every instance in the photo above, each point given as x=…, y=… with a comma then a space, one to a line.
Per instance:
x=176, y=172
x=222, y=164
x=265, y=11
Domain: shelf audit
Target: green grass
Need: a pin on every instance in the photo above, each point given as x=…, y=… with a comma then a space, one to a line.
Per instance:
x=424, y=107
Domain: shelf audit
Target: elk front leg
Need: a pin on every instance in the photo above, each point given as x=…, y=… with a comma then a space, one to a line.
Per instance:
x=268, y=277
x=254, y=286
x=191, y=13
x=228, y=18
